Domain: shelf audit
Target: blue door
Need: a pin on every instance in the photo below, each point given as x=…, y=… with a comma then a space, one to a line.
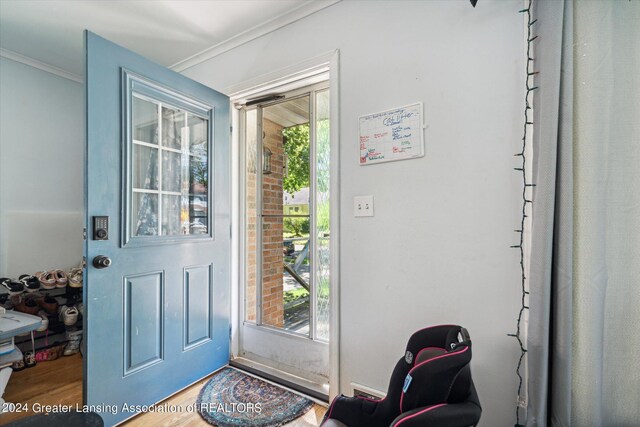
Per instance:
x=157, y=246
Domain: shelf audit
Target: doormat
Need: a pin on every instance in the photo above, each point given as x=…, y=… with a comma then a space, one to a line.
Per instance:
x=232, y=398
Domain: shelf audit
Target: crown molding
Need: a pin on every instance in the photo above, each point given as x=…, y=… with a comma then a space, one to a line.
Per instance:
x=276, y=23
x=26, y=60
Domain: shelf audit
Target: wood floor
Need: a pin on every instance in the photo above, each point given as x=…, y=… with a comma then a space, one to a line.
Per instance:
x=59, y=382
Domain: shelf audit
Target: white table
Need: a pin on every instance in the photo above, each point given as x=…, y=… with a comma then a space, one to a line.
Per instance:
x=14, y=323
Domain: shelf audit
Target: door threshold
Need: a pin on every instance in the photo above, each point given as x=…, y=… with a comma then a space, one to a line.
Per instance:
x=318, y=392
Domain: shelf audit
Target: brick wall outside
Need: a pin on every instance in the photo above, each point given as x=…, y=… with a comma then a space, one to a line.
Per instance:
x=272, y=252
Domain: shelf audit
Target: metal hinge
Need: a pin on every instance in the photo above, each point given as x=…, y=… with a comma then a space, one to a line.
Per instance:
x=84, y=233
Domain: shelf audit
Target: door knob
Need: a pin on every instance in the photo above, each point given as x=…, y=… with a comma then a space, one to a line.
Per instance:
x=101, y=261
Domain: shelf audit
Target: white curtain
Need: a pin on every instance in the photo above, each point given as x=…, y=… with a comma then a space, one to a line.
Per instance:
x=584, y=334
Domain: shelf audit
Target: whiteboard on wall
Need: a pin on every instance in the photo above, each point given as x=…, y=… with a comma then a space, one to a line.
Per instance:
x=396, y=134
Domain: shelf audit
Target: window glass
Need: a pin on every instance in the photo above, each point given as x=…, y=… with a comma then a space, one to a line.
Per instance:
x=251, y=132
x=169, y=184
x=323, y=223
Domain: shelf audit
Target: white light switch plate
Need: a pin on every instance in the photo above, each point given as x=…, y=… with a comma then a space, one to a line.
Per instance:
x=363, y=206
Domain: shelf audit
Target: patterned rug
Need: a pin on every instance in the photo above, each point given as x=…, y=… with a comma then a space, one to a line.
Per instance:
x=232, y=398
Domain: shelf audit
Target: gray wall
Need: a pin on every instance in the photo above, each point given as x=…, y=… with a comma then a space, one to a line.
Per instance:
x=437, y=250
x=41, y=157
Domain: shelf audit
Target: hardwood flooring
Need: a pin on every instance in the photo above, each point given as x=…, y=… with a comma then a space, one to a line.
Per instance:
x=59, y=382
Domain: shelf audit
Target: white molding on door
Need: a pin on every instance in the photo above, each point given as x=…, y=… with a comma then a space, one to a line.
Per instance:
x=334, y=197
x=284, y=79
x=288, y=77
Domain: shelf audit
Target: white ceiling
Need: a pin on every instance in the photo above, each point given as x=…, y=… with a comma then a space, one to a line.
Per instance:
x=167, y=32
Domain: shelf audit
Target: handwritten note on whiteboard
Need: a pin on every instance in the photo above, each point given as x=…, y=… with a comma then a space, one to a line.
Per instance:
x=392, y=135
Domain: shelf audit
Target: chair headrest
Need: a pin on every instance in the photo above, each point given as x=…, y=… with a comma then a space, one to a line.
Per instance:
x=434, y=341
x=428, y=353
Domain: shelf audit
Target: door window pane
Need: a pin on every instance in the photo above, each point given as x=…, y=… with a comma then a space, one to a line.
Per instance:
x=296, y=282
x=172, y=171
x=198, y=175
x=251, y=132
x=272, y=272
x=323, y=223
x=287, y=215
x=145, y=121
x=145, y=211
x=146, y=172
x=198, y=129
x=172, y=124
x=286, y=245
x=169, y=185
x=172, y=218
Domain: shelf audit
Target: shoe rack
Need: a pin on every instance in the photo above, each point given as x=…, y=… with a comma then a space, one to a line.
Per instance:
x=56, y=331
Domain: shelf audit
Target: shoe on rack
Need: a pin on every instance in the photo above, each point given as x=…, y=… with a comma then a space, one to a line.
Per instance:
x=31, y=283
x=27, y=305
x=29, y=359
x=80, y=307
x=53, y=352
x=45, y=321
x=61, y=278
x=12, y=302
x=75, y=277
x=6, y=302
x=72, y=347
x=73, y=333
x=18, y=365
x=14, y=288
x=42, y=355
x=47, y=279
x=68, y=315
x=49, y=304
x=74, y=338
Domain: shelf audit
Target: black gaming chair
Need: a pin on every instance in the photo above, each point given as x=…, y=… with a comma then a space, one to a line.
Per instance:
x=430, y=387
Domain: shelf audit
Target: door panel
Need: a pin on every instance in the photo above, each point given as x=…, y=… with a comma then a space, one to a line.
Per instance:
x=142, y=315
x=157, y=165
x=198, y=321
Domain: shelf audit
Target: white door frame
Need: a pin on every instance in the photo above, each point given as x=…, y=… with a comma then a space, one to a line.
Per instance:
x=285, y=79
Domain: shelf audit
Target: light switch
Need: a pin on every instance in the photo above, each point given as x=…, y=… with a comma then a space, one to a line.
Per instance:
x=363, y=206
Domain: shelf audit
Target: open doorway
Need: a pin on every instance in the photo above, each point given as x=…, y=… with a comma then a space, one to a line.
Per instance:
x=286, y=256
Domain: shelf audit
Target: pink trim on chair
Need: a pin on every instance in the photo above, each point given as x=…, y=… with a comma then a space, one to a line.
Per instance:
x=421, y=412
x=427, y=361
